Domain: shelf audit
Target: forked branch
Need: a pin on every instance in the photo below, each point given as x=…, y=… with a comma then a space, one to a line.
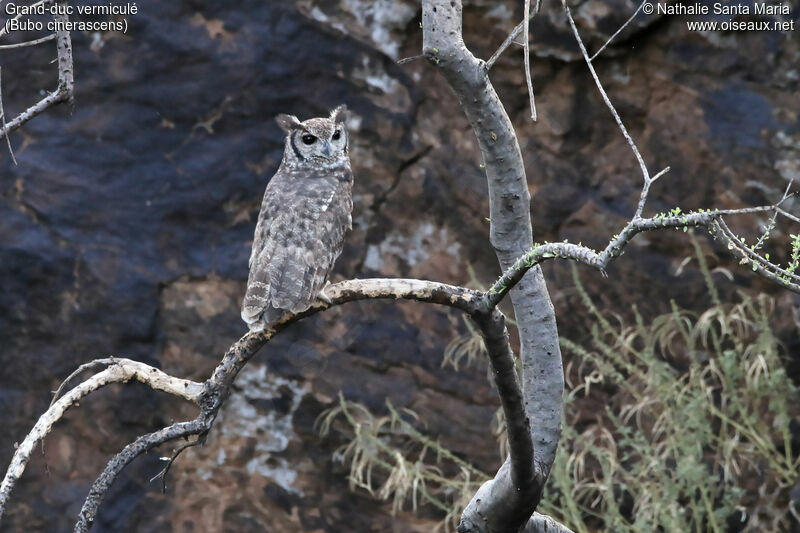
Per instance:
x=65, y=89
x=507, y=502
x=210, y=396
x=118, y=371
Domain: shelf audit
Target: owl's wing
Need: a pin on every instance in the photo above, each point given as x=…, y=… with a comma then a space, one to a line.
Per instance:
x=299, y=236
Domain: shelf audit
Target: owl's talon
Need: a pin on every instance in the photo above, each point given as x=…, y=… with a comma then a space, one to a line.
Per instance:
x=324, y=297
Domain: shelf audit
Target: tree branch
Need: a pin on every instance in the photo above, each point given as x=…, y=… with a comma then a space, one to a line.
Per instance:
x=65, y=90
x=506, y=43
x=642, y=166
x=19, y=15
x=512, y=36
x=25, y=44
x=619, y=30
x=711, y=220
x=133, y=450
x=527, y=59
x=3, y=120
x=120, y=371
x=211, y=394
x=540, y=523
x=506, y=502
x=480, y=306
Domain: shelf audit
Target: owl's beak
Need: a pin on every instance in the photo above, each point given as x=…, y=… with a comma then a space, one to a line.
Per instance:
x=326, y=149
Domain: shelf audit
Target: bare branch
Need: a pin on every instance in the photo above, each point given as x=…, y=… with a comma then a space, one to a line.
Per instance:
x=19, y=15
x=28, y=43
x=625, y=25
x=171, y=460
x=501, y=505
x=97, y=363
x=211, y=394
x=512, y=37
x=64, y=48
x=133, y=450
x=645, y=174
x=64, y=91
x=3, y=119
x=540, y=523
x=409, y=59
x=31, y=112
x=772, y=219
x=527, y=40
x=509, y=40
x=504, y=372
x=121, y=371
x=788, y=215
x=582, y=254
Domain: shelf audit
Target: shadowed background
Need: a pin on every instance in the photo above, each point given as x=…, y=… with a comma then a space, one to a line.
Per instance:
x=125, y=230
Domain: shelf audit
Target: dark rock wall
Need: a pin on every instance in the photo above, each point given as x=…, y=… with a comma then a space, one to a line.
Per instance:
x=125, y=229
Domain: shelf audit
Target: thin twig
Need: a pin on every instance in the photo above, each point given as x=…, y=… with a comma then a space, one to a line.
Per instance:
x=409, y=59
x=610, y=106
x=510, y=39
x=600, y=260
x=526, y=38
x=84, y=367
x=660, y=173
x=788, y=215
x=64, y=91
x=170, y=460
x=771, y=224
x=748, y=255
x=29, y=43
x=3, y=119
x=19, y=15
x=618, y=31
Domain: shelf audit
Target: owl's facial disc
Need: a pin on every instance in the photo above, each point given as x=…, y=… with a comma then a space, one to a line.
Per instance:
x=338, y=140
x=320, y=140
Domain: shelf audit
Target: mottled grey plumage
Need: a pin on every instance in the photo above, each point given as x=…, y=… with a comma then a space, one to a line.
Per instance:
x=304, y=216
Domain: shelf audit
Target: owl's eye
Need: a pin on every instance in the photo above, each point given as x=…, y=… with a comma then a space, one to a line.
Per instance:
x=336, y=135
x=308, y=139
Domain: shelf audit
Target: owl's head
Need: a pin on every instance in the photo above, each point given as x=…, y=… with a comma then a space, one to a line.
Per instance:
x=318, y=141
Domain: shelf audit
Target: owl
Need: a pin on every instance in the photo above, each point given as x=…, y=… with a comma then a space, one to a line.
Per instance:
x=303, y=219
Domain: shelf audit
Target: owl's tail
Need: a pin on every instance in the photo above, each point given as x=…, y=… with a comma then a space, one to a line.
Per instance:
x=257, y=309
x=256, y=301
x=259, y=318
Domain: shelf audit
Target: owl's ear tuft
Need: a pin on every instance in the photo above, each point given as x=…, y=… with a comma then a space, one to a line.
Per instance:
x=287, y=122
x=339, y=114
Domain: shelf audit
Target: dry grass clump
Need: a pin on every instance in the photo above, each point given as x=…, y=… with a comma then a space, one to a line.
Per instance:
x=694, y=436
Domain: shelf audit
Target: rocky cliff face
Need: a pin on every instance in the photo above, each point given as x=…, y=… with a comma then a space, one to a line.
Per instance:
x=125, y=229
